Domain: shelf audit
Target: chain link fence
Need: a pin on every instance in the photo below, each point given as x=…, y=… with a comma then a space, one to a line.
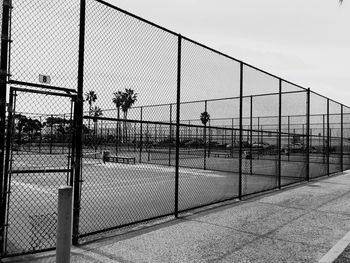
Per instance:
x=143, y=122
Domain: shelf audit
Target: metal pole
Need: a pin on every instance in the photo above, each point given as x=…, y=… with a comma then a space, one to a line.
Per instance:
x=205, y=139
x=279, y=132
x=209, y=131
x=3, y=90
x=5, y=189
x=170, y=133
x=323, y=135
x=51, y=133
x=288, y=138
x=176, y=212
x=251, y=136
x=328, y=137
x=341, y=138
x=141, y=134
x=40, y=142
x=240, y=131
x=258, y=137
x=308, y=135
x=232, y=140
x=79, y=126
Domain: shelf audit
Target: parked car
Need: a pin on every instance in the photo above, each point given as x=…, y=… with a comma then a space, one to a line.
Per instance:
x=261, y=145
x=293, y=148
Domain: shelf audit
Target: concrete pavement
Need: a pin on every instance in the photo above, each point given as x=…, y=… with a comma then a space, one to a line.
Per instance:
x=298, y=224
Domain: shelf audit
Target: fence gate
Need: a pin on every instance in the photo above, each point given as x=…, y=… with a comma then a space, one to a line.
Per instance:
x=39, y=153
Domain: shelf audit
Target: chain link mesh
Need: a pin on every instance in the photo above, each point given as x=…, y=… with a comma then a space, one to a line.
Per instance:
x=39, y=162
x=129, y=134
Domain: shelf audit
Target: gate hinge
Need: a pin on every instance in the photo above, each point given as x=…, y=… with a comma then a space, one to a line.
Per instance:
x=6, y=38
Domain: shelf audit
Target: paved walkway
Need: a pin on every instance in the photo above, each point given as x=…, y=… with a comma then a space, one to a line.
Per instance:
x=298, y=224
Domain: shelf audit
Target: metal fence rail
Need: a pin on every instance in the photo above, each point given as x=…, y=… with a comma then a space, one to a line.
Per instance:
x=155, y=124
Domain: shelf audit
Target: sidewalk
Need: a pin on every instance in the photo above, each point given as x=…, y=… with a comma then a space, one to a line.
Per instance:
x=299, y=224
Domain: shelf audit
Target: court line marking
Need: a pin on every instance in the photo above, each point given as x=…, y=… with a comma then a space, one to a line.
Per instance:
x=142, y=167
x=33, y=187
x=336, y=250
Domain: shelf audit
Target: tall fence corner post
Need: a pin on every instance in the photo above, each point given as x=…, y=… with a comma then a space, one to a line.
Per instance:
x=178, y=98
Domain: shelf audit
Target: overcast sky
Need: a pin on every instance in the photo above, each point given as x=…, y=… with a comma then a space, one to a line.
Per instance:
x=306, y=42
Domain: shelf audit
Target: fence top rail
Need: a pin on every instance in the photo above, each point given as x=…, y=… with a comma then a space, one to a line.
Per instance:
x=136, y=17
x=195, y=42
x=340, y=104
x=47, y=87
x=43, y=92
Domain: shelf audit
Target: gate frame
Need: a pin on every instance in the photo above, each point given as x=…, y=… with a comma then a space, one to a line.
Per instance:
x=48, y=90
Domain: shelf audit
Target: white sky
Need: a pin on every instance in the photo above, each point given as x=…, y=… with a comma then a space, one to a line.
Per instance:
x=306, y=42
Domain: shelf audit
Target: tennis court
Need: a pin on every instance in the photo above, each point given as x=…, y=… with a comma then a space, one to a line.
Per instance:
x=115, y=194
x=159, y=108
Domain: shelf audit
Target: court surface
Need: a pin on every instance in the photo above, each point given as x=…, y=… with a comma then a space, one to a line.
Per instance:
x=115, y=194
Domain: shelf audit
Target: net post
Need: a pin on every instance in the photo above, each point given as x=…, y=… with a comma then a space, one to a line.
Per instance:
x=178, y=97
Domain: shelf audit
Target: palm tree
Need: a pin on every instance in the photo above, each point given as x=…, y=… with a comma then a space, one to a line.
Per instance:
x=124, y=100
x=118, y=101
x=205, y=117
x=129, y=99
x=90, y=97
x=96, y=112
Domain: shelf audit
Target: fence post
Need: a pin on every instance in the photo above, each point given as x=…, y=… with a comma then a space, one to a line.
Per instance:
x=308, y=135
x=232, y=139
x=341, y=138
x=79, y=126
x=51, y=133
x=288, y=153
x=141, y=134
x=328, y=136
x=3, y=90
x=205, y=139
x=323, y=136
x=209, y=130
x=258, y=139
x=251, y=136
x=279, y=132
x=176, y=212
x=240, y=131
x=170, y=132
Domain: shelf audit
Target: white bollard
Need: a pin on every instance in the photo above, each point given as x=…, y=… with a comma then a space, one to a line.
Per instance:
x=64, y=224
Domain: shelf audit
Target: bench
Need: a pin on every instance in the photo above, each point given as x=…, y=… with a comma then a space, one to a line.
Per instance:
x=225, y=155
x=120, y=159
